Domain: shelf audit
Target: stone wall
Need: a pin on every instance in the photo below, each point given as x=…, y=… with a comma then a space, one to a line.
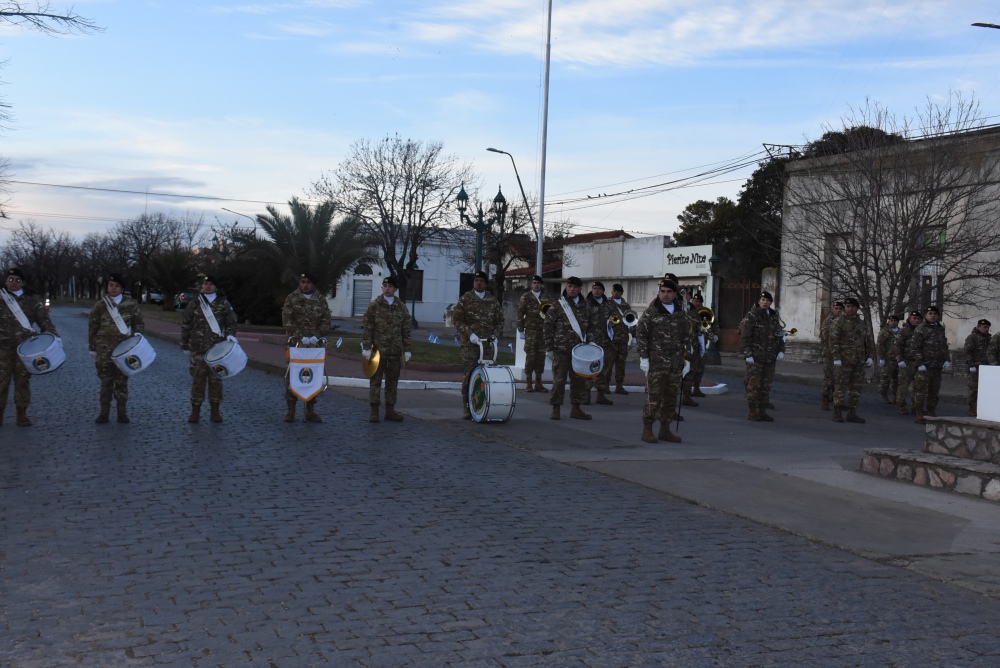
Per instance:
x=978, y=479
x=964, y=437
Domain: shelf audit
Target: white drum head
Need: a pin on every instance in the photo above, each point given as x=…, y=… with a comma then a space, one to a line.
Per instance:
x=36, y=344
x=126, y=345
x=219, y=350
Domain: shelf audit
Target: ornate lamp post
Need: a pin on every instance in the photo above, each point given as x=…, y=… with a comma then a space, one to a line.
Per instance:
x=498, y=212
x=712, y=355
x=221, y=246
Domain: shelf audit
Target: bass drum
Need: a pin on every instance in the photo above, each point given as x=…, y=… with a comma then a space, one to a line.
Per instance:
x=42, y=353
x=491, y=394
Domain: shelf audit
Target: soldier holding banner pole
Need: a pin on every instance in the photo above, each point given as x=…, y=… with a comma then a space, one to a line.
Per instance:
x=306, y=318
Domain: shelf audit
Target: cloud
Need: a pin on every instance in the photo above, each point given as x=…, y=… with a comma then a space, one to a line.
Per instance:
x=285, y=7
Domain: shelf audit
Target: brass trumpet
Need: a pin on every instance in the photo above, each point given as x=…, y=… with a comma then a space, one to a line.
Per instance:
x=615, y=320
x=631, y=318
x=707, y=317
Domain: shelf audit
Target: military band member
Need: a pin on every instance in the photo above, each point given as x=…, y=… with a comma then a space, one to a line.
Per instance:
x=602, y=309
x=567, y=324
x=885, y=347
x=619, y=344
x=763, y=344
x=824, y=340
x=478, y=317
x=663, y=337
x=976, y=346
x=305, y=316
x=103, y=335
x=387, y=330
x=929, y=349
x=198, y=336
x=529, y=326
x=906, y=366
x=702, y=342
x=849, y=347
x=18, y=312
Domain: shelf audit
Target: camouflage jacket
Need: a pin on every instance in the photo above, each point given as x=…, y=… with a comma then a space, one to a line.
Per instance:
x=103, y=332
x=387, y=327
x=305, y=316
x=559, y=335
x=901, y=350
x=528, y=315
x=482, y=317
x=195, y=332
x=662, y=337
x=886, y=344
x=824, y=335
x=11, y=332
x=760, y=332
x=599, y=315
x=993, y=352
x=929, y=346
x=976, y=346
x=621, y=330
x=849, y=340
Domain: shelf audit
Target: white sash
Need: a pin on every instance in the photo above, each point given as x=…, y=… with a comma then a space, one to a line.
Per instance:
x=206, y=310
x=116, y=316
x=537, y=297
x=15, y=308
x=306, y=372
x=573, y=322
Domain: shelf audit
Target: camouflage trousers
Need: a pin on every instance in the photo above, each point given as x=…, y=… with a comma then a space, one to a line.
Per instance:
x=694, y=374
x=388, y=368
x=201, y=375
x=602, y=381
x=114, y=384
x=973, y=390
x=903, y=384
x=614, y=359
x=662, y=385
x=847, y=385
x=562, y=367
x=758, y=380
x=470, y=360
x=926, y=385
x=890, y=378
x=11, y=367
x=828, y=377
x=534, y=354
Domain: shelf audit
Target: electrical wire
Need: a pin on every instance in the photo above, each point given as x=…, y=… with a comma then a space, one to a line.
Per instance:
x=142, y=192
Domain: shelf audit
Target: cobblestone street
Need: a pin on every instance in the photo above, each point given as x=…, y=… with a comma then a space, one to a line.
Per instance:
x=260, y=543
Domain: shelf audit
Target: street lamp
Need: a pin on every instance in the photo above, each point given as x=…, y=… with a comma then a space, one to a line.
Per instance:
x=526, y=206
x=482, y=223
x=252, y=218
x=712, y=355
x=221, y=246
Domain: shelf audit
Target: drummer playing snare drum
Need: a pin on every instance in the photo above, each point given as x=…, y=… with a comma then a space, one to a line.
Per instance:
x=108, y=318
x=198, y=336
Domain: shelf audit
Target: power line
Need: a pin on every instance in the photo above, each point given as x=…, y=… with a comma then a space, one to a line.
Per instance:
x=143, y=192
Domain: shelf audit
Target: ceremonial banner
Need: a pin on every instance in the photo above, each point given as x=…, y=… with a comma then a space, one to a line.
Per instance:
x=306, y=372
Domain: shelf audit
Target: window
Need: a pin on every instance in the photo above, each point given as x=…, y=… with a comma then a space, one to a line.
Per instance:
x=638, y=292
x=414, y=290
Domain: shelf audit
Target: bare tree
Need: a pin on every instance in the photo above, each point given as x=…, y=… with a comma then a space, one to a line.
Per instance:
x=904, y=214
x=401, y=189
x=48, y=258
x=39, y=16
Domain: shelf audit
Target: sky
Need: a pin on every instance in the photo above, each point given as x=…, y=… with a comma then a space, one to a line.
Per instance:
x=250, y=102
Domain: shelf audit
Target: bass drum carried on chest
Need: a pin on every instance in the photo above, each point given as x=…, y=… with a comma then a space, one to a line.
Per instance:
x=491, y=390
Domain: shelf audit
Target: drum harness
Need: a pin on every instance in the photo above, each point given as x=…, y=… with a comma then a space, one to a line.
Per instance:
x=109, y=302
x=572, y=318
x=15, y=308
x=206, y=310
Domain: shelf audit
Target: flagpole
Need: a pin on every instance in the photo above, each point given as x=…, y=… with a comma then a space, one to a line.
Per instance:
x=545, y=133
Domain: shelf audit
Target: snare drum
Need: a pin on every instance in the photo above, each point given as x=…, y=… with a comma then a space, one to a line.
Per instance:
x=491, y=394
x=133, y=355
x=42, y=353
x=588, y=360
x=226, y=359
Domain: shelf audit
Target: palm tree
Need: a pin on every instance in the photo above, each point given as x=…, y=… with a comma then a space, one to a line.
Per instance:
x=308, y=241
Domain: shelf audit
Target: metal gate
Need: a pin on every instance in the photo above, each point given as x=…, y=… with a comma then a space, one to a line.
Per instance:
x=735, y=299
x=362, y=295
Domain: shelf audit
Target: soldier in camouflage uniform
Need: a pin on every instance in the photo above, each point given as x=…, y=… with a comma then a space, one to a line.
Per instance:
x=11, y=336
x=560, y=339
x=529, y=325
x=602, y=309
x=702, y=341
x=103, y=336
x=902, y=352
x=763, y=344
x=619, y=344
x=663, y=337
x=305, y=315
x=197, y=337
x=929, y=349
x=976, y=346
x=387, y=330
x=824, y=343
x=849, y=347
x=478, y=317
x=888, y=362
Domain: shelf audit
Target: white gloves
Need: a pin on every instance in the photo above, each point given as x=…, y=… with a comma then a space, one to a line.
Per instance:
x=309, y=340
x=520, y=335
x=902, y=364
x=973, y=369
x=750, y=360
x=644, y=364
x=715, y=338
x=367, y=353
x=781, y=356
x=550, y=355
x=407, y=356
x=231, y=338
x=837, y=362
x=881, y=362
x=947, y=365
x=687, y=367
x=473, y=338
x=869, y=362
x=921, y=368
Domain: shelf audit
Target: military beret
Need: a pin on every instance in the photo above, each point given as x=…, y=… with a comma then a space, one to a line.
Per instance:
x=208, y=278
x=117, y=278
x=536, y=277
x=851, y=301
x=390, y=280
x=893, y=316
x=698, y=296
x=984, y=321
x=573, y=280
x=670, y=277
x=617, y=287
x=765, y=293
x=933, y=309
x=14, y=271
x=840, y=304
x=598, y=284
x=308, y=275
x=668, y=284
x=917, y=314
x=482, y=275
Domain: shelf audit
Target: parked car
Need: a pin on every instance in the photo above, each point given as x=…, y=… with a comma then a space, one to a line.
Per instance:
x=184, y=298
x=155, y=296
